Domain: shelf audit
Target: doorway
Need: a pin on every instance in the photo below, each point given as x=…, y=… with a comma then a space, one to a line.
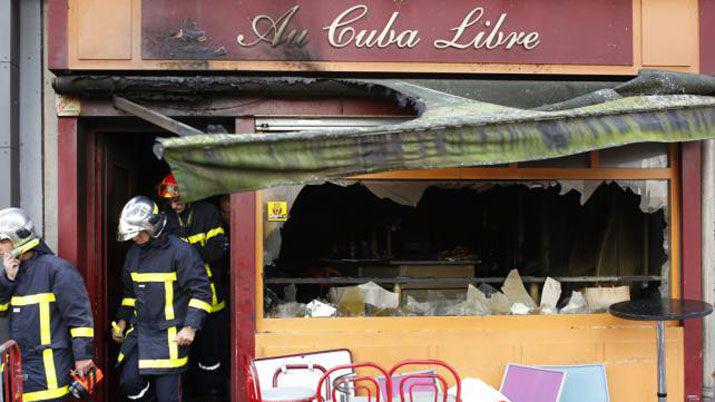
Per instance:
x=124, y=167
x=118, y=163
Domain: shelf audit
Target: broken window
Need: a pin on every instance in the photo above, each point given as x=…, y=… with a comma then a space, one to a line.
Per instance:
x=478, y=247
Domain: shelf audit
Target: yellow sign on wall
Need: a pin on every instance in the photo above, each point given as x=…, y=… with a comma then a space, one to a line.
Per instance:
x=277, y=211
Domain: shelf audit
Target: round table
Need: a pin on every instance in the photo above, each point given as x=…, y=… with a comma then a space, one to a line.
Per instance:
x=661, y=310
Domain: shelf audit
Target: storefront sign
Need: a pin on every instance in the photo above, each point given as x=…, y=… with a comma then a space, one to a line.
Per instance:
x=461, y=31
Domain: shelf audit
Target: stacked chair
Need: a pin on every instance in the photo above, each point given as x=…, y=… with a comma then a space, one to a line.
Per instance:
x=347, y=385
x=419, y=381
x=362, y=382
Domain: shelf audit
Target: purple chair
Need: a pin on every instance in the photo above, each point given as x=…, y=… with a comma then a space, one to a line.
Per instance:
x=532, y=384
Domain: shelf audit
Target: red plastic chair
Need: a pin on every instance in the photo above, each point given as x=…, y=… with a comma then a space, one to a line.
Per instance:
x=11, y=371
x=341, y=381
x=433, y=385
x=436, y=377
x=341, y=384
x=253, y=388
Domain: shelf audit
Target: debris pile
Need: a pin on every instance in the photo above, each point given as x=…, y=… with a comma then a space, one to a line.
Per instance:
x=371, y=299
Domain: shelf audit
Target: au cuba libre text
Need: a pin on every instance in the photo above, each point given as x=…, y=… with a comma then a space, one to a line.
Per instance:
x=475, y=31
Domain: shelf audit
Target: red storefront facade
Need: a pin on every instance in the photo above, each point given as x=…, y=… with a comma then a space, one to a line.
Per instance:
x=621, y=51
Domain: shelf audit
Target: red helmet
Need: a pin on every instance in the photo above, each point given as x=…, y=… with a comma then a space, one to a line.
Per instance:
x=168, y=187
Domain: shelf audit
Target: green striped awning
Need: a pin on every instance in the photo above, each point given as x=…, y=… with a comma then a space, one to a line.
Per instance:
x=449, y=131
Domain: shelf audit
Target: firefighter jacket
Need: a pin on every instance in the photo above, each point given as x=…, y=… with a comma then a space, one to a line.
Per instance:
x=165, y=288
x=201, y=225
x=50, y=319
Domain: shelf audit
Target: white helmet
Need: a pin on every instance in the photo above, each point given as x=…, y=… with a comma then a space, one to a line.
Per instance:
x=138, y=215
x=16, y=226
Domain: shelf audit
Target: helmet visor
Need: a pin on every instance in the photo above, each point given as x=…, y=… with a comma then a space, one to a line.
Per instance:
x=166, y=190
x=122, y=237
x=127, y=231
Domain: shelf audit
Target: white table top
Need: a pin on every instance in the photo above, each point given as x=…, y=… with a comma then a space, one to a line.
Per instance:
x=287, y=394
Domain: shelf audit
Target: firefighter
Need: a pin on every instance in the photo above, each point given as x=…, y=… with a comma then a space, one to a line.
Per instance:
x=165, y=299
x=200, y=224
x=224, y=205
x=50, y=314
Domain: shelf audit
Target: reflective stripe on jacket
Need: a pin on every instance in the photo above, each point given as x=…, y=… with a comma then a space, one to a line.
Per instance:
x=201, y=226
x=165, y=287
x=50, y=319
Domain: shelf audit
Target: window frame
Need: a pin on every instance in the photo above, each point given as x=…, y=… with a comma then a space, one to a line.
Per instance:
x=670, y=174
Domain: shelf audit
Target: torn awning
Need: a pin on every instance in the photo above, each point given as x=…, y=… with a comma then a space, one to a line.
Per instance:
x=450, y=131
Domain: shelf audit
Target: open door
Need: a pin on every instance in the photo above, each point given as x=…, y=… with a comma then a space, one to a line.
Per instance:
x=118, y=164
x=124, y=167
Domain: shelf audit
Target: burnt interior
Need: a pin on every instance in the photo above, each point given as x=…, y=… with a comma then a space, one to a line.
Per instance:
x=338, y=231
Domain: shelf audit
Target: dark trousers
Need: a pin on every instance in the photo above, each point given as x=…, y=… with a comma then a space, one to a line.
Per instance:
x=144, y=388
x=208, y=352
